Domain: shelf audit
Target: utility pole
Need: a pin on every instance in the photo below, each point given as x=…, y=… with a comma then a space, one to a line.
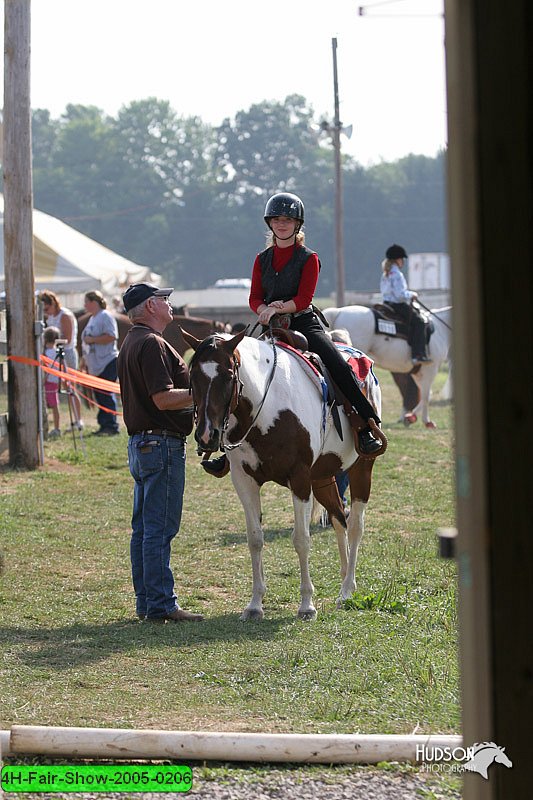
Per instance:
x=339, y=210
x=335, y=131
x=18, y=236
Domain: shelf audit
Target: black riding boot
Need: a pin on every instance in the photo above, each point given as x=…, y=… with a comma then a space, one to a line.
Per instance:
x=368, y=444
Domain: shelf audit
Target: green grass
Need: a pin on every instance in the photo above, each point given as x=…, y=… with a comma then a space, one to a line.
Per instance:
x=74, y=654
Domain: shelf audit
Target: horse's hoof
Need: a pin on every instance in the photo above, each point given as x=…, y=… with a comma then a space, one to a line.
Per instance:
x=307, y=616
x=431, y=425
x=409, y=419
x=252, y=615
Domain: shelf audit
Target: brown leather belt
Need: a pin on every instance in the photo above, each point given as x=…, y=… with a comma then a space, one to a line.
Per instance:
x=161, y=432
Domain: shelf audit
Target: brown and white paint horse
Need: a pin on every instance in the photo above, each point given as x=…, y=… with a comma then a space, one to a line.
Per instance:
x=265, y=408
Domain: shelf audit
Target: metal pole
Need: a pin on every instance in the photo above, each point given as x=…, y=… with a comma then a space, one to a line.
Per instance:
x=339, y=224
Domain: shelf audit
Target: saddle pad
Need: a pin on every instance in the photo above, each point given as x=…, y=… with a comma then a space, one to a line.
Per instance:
x=386, y=326
x=290, y=349
x=360, y=363
x=387, y=323
x=313, y=373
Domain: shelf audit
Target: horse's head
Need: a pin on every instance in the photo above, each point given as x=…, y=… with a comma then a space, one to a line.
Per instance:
x=502, y=758
x=484, y=754
x=214, y=385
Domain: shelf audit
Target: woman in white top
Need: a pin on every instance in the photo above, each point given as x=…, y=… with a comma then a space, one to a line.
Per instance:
x=58, y=316
x=395, y=293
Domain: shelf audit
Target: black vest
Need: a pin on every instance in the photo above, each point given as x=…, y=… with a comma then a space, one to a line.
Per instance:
x=282, y=285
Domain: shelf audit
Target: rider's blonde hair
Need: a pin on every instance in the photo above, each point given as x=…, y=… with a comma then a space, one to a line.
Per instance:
x=386, y=265
x=271, y=239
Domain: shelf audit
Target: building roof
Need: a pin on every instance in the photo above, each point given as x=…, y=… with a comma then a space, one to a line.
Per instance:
x=66, y=260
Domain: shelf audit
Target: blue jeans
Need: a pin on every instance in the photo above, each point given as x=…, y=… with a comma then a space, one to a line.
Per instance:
x=157, y=465
x=106, y=420
x=343, y=481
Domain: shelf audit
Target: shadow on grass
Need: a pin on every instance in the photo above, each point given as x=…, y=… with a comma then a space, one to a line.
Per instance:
x=80, y=644
x=441, y=403
x=269, y=535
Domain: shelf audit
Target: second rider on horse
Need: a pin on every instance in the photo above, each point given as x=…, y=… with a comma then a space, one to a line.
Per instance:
x=396, y=294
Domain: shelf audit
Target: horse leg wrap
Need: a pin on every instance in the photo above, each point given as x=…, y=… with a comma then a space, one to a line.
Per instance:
x=327, y=494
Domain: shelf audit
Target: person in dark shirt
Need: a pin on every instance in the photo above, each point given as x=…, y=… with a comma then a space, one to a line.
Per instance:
x=284, y=280
x=157, y=408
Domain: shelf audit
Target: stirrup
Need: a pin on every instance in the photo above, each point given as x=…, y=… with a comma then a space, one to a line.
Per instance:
x=378, y=434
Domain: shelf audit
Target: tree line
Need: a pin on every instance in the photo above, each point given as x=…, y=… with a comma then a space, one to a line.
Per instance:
x=187, y=198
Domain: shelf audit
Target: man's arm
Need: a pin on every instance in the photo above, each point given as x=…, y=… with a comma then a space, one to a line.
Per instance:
x=173, y=399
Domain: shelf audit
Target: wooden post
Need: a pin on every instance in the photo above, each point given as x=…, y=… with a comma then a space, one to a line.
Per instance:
x=18, y=236
x=213, y=746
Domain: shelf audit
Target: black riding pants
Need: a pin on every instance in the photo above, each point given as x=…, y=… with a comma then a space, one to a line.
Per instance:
x=416, y=327
x=321, y=344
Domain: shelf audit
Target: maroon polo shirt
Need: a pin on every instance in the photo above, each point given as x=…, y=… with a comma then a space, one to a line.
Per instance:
x=148, y=364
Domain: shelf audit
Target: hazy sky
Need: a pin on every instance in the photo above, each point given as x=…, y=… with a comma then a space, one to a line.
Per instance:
x=212, y=59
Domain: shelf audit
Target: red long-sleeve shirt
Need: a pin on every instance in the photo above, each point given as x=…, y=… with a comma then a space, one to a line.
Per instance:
x=281, y=257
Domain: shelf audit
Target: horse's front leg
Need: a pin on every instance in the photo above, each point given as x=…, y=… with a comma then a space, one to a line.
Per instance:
x=301, y=540
x=425, y=379
x=356, y=528
x=342, y=544
x=249, y=495
x=360, y=485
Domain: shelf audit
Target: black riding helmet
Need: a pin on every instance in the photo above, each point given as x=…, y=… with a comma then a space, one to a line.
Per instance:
x=395, y=251
x=284, y=204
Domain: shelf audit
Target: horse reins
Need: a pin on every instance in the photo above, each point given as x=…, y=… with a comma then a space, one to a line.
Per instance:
x=233, y=445
x=236, y=392
x=432, y=314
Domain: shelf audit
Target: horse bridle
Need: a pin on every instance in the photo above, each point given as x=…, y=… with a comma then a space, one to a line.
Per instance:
x=233, y=445
x=236, y=392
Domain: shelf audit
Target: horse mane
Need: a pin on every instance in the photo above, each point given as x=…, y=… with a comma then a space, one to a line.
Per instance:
x=484, y=746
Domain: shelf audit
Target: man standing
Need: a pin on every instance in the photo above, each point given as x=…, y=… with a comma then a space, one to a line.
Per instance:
x=154, y=385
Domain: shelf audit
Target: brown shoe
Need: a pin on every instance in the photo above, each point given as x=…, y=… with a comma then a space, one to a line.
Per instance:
x=180, y=615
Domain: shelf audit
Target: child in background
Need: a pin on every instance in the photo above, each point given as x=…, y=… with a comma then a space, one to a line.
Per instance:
x=51, y=383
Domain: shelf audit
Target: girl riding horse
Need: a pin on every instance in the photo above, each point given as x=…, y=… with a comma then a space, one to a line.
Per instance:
x=284, y=280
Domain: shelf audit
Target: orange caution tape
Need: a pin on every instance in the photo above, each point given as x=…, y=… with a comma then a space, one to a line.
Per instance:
x=70, y=375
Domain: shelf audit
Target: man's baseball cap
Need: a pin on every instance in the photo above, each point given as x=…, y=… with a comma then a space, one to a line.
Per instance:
x=139, y=292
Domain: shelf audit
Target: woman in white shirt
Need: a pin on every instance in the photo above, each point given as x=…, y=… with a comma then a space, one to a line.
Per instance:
x=395, y=293
x=57, y=316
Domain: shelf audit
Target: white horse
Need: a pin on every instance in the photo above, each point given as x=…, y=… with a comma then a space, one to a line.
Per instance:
x=394, y=354
x=266, y=407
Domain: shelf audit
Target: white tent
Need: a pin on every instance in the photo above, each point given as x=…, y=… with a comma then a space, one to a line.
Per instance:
x=67, y=261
